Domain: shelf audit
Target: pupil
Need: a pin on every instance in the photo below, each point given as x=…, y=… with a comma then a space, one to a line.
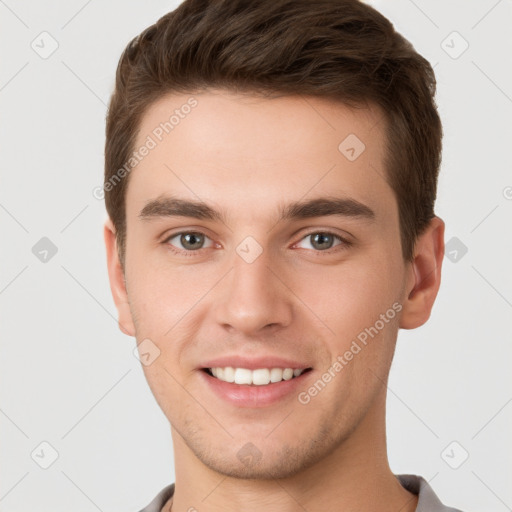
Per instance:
x=322, y=238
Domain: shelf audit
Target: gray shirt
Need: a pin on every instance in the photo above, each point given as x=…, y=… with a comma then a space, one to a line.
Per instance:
x=427, y=499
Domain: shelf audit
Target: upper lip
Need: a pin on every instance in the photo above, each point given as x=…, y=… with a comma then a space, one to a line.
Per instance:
x=253, y=363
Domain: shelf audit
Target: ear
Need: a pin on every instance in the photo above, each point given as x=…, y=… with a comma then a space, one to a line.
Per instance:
x=424, y=276
x=117, y=281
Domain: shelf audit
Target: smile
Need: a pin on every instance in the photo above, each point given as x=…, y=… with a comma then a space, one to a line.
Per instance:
x=257, y=377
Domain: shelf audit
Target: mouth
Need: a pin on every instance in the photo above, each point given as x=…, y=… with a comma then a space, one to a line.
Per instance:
x=256, y=377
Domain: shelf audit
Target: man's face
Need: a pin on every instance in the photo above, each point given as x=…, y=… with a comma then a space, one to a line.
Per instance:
x=257, y=289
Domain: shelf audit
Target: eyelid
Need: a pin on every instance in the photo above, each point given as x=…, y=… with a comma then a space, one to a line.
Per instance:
x=345, y=241
x=171, y=233
x=330, y=231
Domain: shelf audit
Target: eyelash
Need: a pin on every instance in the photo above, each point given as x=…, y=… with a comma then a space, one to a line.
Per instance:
x=345, y=244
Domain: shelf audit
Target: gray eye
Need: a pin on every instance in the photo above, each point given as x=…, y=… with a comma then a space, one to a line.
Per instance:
x=321, y=241
x=192, y=240
x=189, y=241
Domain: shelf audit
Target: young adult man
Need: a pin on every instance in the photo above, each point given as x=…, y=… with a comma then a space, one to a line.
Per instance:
x=270, y=179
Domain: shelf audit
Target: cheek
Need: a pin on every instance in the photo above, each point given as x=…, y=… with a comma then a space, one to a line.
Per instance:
x=359, y=305
x=170, y=392
x=351, y=296
x=161, y=294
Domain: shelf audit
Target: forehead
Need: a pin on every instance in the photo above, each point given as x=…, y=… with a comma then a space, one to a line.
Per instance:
x=217, y=146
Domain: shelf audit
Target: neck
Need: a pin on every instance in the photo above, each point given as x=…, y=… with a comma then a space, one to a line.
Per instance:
x=354, y=476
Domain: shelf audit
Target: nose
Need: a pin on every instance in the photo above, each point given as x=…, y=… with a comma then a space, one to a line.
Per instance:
x=253, y=298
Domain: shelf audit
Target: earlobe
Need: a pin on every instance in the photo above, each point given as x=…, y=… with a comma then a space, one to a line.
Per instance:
x=424, y=276
x=117, y=280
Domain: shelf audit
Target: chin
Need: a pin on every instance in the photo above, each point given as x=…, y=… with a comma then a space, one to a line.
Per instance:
x=268, y=470
x=274, y=461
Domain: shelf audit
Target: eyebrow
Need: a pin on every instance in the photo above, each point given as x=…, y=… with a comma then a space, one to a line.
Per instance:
x=168, y=206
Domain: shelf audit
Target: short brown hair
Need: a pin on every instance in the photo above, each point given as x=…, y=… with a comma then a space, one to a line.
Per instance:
x=337, y=49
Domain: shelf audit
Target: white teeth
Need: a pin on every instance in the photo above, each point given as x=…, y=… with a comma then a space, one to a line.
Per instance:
x=287, y=374
x=229, y=374
x=259, y=377
x=243, y=376
x=276, y=375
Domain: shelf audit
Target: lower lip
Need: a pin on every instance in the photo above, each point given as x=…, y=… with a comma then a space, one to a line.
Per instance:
x=243, y=395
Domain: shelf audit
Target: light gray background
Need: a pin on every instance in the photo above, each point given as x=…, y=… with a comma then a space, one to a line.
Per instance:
x=69, y=377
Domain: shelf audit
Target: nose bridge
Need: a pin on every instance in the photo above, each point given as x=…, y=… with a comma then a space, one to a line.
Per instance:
x=252, y=296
